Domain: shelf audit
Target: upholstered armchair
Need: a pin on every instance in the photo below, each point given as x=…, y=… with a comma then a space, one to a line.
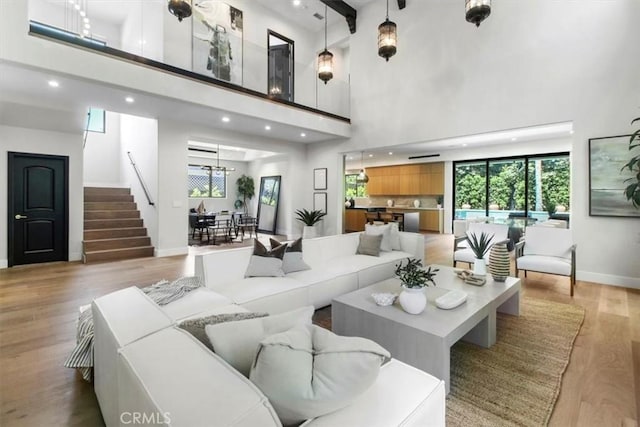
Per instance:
x=461, y=251
x=547, y=250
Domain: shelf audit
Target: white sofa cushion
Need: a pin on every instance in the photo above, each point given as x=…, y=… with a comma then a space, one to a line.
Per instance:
x=170, y=373
x=309, y=371
x=547, y=264
x=237, y=342
x=195, y=302
x=385, y=231
x=253, y=288
x=549, y=241
x=401, y=396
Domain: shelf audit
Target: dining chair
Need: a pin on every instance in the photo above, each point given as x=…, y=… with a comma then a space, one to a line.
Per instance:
x=198, y=225
x=247, y=223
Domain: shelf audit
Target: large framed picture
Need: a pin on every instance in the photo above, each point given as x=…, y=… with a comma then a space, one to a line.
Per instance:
x=320, y=179
x=320, y=202
x=607, y=156
x=217, y=41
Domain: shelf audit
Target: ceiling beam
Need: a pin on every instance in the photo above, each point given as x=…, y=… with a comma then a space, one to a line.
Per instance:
x=345, y=10
x=402, y=4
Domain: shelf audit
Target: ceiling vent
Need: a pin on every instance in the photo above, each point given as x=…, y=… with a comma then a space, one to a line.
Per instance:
x=318, y=16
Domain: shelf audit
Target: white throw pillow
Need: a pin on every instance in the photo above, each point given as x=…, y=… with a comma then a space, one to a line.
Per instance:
x=309, y=371
x=237, y=342
x=385, y=231
x=260, y=266
x=394, y=236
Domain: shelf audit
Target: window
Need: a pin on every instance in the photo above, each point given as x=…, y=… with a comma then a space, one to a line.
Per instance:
x=96, y=120
x=354, y=188
x=207, y=181
x=535, y=187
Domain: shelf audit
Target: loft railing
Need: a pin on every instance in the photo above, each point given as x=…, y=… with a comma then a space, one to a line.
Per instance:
x=324, y=94
x=144, y=186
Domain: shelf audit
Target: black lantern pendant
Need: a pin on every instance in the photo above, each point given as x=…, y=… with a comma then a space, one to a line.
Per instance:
x=387, y=37
x=477, y=10
x=180, y=8
x=325, y=59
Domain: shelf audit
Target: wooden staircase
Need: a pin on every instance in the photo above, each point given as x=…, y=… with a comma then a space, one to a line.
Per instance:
x=113, y=228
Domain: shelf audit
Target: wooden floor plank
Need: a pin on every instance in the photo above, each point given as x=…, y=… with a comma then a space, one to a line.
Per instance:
x=38, y=308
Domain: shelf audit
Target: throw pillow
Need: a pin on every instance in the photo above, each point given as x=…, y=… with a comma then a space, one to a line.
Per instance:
x=308, y=371
x=196, y=326
x=292, y=260
x=385, y=231
x=237, y=342
x=394, y=236
x=369, y=245
x=264, y=262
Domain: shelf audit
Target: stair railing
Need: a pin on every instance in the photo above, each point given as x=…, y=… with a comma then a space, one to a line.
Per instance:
x=144, y=187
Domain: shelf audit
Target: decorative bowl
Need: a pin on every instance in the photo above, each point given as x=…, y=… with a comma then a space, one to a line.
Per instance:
x=384, y=298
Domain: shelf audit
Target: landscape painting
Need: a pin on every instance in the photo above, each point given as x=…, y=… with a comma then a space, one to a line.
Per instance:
x=607, y=156
x=217, y=41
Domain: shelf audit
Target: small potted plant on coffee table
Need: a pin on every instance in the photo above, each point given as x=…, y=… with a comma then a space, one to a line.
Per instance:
x=414, y=279
x=480, y=245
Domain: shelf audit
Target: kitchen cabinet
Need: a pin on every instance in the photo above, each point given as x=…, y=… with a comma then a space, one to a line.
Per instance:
x=430, y=220
x=354, y=219
x=406, y=180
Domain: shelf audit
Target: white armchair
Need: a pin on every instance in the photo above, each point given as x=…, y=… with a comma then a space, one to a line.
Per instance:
x=547, y=250
x=461, y=251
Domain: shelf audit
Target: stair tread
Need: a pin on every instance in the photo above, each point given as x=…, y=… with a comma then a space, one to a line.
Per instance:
x=119, y=250
x=116, y=238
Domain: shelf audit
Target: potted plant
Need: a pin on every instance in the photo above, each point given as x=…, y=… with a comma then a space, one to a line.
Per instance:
x=439, y=201
x=246, y=190
x=480, y=245
x=414, y=278
x=309, y=219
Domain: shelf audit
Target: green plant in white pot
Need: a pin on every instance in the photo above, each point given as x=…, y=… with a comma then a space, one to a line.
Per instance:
x=480, y=245
x=309, y=219
x=414, y=279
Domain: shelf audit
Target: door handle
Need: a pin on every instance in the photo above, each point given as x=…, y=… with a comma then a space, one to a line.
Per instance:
x=21, y=216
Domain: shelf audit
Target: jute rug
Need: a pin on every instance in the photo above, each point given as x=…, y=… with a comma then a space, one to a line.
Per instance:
x=517, y=380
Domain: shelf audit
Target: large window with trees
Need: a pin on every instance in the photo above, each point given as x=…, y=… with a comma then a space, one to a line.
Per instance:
x=207, y=181
x=535, y=187
x=353, y=187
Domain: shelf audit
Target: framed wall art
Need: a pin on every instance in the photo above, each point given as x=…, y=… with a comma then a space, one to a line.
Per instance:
x=607, y=156
x=320, y=202
x=320, y=179
x=217, y=41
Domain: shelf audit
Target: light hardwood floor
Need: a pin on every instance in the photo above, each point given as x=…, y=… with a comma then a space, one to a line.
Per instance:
x=38, y=311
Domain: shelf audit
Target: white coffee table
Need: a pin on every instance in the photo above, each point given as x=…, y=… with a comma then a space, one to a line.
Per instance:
x=424, y=340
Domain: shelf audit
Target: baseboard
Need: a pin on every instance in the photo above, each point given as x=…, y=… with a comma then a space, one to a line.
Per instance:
x=171, y=252
x=4, y=263
x=609, y=279
x=75, y=256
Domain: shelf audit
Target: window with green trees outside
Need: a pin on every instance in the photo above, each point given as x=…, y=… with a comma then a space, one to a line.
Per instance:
x=353, y=188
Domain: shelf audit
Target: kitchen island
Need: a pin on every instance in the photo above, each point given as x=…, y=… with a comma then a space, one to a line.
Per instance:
x=414, y=219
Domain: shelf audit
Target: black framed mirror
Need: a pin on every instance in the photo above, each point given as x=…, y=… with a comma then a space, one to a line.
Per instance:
x=268, y=200
x=280, y=69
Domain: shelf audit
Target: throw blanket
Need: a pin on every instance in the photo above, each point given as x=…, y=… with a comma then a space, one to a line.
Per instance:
x=162, y=293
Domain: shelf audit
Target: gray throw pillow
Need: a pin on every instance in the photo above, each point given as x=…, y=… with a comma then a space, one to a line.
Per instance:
x=369, y=245
x=264, y=262
x=196, y=326
x=308, y=371
x=292, y=260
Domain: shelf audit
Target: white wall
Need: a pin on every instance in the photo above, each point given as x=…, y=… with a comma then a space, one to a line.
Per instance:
x=142, y=31
x=25, y=140
x=531, y=62
x=219, y=204
x=102, y=155
x=139, y=136
x=61, y=14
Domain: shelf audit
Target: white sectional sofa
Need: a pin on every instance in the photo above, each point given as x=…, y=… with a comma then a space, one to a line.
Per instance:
x=149, y=372
x=335, y=270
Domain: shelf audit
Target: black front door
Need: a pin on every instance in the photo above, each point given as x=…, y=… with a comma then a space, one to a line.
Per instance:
x=38, y=208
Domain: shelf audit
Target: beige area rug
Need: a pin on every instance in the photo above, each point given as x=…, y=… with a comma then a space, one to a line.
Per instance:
x=516, y=381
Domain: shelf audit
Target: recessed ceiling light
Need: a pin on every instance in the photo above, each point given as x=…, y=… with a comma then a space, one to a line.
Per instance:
x=391, y=153
x=129, y=99
x=303, y=134
x=226, y=119
x=464, y=145
x=77, y=6
x=267, y=127
x=370, y=155
x=296, y=2
x=514, y=139
x=86, y=20
x=571, y=132
x=87, y=25
x=83, y=13
x=53, y=83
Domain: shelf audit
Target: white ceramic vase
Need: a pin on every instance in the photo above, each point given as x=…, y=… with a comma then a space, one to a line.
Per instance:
x=309, y=232
x=413, y=300
x=416, y=203
x=480, y=267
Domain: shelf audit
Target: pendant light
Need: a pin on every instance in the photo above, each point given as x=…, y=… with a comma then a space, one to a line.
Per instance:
x=387, y=37
x=362, y=176
x=180, y=8
x=477, y=10
x=325, y=59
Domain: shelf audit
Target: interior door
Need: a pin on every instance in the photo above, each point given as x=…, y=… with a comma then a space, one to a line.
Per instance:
x=38, y=228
